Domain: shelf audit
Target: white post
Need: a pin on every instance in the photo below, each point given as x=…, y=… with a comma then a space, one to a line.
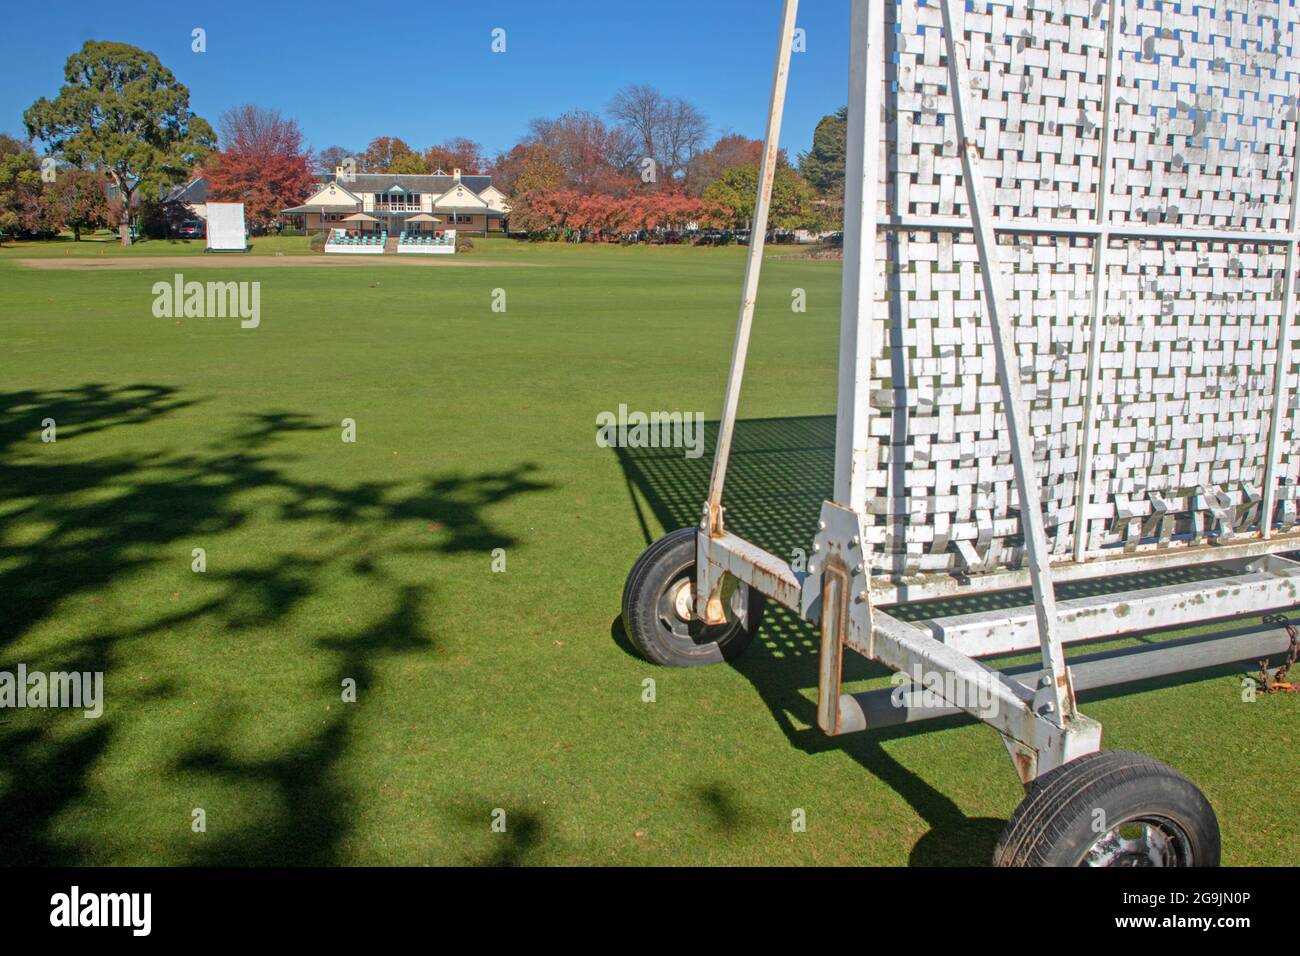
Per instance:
x=1273, y=458
x=1101, y=243
x=857, y=285
x=753, y=265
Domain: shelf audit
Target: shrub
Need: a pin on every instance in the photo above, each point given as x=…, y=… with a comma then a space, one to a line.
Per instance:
x=317, y=242
x=290, y=231
x=464, y=243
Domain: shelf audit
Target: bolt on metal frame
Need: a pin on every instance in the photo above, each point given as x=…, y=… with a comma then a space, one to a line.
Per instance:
x=1236, y=541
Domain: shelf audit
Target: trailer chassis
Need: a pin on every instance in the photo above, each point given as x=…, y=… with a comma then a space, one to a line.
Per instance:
x=848, y=587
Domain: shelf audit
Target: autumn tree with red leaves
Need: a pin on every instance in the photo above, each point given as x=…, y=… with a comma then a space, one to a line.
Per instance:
x=77, y=199
x=390, y=154
x=595, y=157
x=730, y=150
x=262, y=164
x=459, y=153
x=598, y=217
x=580, y=176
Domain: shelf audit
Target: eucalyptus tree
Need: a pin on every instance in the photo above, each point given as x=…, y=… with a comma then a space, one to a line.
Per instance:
x=123, y=113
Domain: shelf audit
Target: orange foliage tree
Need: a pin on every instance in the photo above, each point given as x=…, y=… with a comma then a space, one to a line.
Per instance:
x=262, y=164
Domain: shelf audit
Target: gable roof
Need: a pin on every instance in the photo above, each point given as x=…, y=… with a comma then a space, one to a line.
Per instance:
x=496, y=199
x=195, y=191
x=414, y=183
x=322, y=208
x=459, y=197
x=327, y=189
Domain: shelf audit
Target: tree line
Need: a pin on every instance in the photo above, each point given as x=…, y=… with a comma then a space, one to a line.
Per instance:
x=645, y=166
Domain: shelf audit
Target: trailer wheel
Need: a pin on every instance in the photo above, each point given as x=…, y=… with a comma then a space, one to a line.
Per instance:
x=1111, y=808
x=658, y=608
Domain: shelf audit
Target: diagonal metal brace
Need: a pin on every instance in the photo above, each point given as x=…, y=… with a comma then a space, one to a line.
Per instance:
x=1055, y=699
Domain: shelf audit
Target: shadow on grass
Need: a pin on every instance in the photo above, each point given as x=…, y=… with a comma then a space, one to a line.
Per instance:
x=780, y=472
x=512, y=846
x=74, y=524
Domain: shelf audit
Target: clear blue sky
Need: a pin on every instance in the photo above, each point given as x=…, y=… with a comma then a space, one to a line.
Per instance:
x=351, y=71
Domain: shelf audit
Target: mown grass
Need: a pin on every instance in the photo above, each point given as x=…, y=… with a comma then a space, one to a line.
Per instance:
x=373, y=561
x=103, y=244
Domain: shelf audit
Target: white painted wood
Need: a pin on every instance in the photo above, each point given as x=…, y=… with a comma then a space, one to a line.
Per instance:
x=1190, y=143
x=753, y=266
x=859, y=332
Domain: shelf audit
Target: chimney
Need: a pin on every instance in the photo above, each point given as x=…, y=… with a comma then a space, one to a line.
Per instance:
x=455, y=173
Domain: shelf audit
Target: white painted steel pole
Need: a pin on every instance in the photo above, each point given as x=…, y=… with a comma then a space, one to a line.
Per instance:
x=1088, y=440
x=1273, y=457
x=753, y=265
x=1060, y=698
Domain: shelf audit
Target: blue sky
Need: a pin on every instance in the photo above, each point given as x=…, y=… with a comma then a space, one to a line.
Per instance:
x=351, y=71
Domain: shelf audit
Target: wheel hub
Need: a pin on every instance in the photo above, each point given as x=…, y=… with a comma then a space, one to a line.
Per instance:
x=1137, y=843
x=684, y=599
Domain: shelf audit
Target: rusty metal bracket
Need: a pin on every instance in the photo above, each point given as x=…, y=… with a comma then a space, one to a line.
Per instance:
x=1277, y=682
x=835, y=622
x=836, y=592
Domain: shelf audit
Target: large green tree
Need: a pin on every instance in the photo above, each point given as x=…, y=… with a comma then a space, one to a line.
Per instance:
x=794, y=203
x=20, y=178
x=823, y=165
x=123, y=113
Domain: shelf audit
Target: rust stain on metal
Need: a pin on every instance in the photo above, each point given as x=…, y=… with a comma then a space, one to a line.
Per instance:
x=1024, y=765
x=715, y=519
x=834, y=623
x=719, y=599
x=772, y=582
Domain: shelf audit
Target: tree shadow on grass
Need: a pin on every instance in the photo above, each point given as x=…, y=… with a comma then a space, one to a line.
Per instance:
x=780, y=472
x=512, y=846
x=780, y=675
x=75, y=523
x=725, y=807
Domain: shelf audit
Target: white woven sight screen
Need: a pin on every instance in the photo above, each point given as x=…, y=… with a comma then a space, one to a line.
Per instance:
x=1195, y=229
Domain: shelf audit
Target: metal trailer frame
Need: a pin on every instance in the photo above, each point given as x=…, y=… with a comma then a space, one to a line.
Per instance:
x=853, y=576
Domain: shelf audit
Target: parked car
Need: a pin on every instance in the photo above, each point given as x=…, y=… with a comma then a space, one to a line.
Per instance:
x=191, y=229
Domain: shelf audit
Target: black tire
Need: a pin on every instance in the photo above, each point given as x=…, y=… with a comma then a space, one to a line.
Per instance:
x=1152, y=816
x=652, y=623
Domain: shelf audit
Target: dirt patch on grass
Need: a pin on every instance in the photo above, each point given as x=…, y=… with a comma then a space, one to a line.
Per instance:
x=828, y=253
x=265, y=262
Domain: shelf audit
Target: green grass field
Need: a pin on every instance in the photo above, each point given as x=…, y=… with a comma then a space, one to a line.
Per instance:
x=105, y=244
x=373, y=561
